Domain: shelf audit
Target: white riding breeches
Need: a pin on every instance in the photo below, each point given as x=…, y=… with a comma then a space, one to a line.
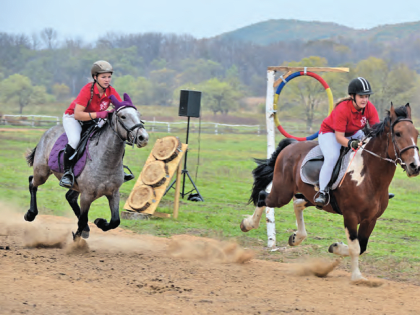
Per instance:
x=331, y=150
x=73, y=130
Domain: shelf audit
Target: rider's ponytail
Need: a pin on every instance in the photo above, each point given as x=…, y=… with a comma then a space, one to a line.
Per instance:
x=343, y=99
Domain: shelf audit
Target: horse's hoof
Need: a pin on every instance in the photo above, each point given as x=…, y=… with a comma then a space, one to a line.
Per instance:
x=29, y=216
x=76, y=236
x=100, y=223
x=243, y=228
x=292, y=239
x=85, y=234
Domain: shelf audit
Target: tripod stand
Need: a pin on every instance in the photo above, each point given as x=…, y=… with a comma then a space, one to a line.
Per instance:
x=186, y=173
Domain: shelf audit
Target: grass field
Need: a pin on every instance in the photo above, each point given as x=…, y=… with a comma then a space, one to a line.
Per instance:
x=224, y=178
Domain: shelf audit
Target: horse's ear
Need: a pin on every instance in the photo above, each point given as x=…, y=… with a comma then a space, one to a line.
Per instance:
x=408, y=108
x=127, y=98
x=392, y=114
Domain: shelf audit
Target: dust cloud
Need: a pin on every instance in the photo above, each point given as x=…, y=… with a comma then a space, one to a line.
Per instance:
x=212, y=251
x=315, y=267
x=56, y=232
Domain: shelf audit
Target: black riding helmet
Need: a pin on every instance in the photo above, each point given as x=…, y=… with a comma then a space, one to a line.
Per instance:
x=360, y=86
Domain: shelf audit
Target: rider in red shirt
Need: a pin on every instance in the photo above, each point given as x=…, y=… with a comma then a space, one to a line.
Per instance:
x=91, y=103
x=343, y=127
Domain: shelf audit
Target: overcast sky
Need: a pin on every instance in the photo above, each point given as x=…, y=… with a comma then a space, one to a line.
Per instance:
x=89, y=19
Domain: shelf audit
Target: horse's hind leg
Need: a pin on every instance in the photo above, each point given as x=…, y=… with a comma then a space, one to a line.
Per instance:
x=298, y=237
x=114, y=204
x=33, y=208
x=253, y=222
x=41, y=174
x=71, y=197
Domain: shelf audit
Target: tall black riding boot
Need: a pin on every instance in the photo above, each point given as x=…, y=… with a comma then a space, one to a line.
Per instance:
x=67, y=180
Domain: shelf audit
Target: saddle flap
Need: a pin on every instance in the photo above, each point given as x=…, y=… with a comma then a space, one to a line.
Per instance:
x=312, y=168
x=312, y=163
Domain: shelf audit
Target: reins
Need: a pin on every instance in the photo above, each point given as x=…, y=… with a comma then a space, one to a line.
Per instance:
x=395, y=145
x=397, y=158
x=128, y=130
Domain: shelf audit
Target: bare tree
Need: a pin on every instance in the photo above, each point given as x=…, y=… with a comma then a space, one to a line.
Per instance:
x=49, y=36
x=35, y=42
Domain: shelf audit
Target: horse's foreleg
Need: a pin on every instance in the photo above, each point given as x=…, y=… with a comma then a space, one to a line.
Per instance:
x=114, y=204
x=71, y=197
x=85, y=202
x=365, y=229
x=253, y=222
x=354, y=251
x=299, y=236
x=33, y=209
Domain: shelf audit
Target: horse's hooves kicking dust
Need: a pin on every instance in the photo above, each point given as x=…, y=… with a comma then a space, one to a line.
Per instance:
x=79, y=246
x=316, y=267
x=212, y=251
x=368, y=283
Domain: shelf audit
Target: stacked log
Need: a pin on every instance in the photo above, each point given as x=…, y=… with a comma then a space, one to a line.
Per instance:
x=155, y=173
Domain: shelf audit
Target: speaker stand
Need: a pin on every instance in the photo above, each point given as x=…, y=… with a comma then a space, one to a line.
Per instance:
x=185, y=172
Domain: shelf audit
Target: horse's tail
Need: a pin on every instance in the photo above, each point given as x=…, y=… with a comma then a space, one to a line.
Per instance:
x=30, y=157
x=263, y=173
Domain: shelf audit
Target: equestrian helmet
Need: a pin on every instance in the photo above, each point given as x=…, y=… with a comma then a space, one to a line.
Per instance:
x=360, y=86
x=101, y=66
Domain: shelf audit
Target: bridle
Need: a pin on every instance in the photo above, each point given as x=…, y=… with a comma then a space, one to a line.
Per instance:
x=398, y=159
x=129, y=131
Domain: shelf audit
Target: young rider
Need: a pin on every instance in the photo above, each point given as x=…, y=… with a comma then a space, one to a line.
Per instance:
x=343, y=127
x=91, y=103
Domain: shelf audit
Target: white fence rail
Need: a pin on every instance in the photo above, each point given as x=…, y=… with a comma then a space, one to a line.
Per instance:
x=29, y=120
x=152, y=125
x=156, y=126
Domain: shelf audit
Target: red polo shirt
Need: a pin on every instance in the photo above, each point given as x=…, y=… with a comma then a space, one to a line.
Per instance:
x=97, y=104
x=345, y=118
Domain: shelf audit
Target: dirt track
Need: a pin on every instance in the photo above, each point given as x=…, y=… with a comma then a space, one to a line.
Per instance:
x=120, y=272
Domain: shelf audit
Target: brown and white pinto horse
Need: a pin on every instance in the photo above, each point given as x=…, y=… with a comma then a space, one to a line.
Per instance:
x=363, y=196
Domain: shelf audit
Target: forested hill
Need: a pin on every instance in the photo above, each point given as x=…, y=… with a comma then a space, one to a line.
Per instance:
x=272, y=31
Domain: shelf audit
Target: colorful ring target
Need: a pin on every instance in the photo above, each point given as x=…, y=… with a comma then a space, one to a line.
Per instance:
x=276, y=99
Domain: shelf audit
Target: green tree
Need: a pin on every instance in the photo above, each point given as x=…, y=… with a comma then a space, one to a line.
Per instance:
x=163, y=81
x=387, y=82
x=306, y=92
x=140, y=89
x=219, y=96
x=18, y=89
x=61, y=91
x=197, y=71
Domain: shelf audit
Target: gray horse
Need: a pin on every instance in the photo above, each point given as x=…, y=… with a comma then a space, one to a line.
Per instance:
x=102, y=175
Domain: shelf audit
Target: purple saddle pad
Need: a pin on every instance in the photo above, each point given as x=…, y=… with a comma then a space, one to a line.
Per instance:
x=59, y=145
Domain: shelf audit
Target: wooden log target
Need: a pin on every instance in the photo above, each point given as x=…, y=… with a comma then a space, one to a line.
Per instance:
x=166, y=149
x=155, y=173
x=142, y=197
x=162, y=163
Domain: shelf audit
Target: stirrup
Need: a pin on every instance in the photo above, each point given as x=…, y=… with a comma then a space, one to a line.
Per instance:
x=322, y=200
x=66, y=185
x=128, y=177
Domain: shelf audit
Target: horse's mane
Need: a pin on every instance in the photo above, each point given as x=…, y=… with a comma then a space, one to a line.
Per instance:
x=379, y=128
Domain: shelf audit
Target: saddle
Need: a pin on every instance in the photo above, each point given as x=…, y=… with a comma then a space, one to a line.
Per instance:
x=313, y=161
x=56, y=159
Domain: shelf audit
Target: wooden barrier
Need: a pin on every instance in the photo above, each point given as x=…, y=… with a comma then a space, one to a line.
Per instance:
x=135, y=203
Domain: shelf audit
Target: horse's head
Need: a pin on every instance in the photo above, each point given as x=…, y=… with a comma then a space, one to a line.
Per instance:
x=127, y=124
x=404, y=139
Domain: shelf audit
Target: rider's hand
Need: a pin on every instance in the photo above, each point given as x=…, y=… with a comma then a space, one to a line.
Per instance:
x=102, y=115
x=354, y=144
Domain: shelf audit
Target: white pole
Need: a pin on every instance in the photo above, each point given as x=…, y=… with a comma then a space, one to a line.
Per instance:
x=271, y=146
